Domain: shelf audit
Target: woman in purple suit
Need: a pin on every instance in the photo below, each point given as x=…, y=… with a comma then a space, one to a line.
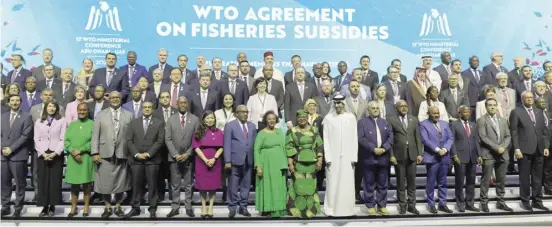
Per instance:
x=208, y=143
x=49, y=135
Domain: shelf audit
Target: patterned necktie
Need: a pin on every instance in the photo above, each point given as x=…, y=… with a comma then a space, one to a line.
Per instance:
x=12, y=119
x=245, y=132
x=496, y=126
x=233, y=87
x=467, y=128
x=15, y=74
x=182, y=121
x=146, y=124
x=136, y=109
x=30, y=99
x=439, y=133
x=115, y=124
x=130, y=71
x=166, y=115
x=531, y=115
x=395, y=88
x=476, y=74
x=505, y=95
x=109, y=77
x=174, y=95
x=404, y=124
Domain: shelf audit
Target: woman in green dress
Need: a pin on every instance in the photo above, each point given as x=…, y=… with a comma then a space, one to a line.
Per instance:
x=80, y=167
x=304, y=150
x=271, y=166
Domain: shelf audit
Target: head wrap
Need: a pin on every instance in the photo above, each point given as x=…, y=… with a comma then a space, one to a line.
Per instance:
x=302, y=113
x=268, y=53
x=310, y=101
x=338, y=98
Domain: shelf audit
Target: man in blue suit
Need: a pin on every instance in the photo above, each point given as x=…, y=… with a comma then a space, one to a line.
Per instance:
x=239, y=136
x=30, y=96
x=18, y=74
x=465, y=153
x=110, y=77
x=375, y=137
x=176, y=88
x=343, y=77
x=134, y=70
x=162, y=55
x=233, y=85
x=437, y=139
x=135, y=105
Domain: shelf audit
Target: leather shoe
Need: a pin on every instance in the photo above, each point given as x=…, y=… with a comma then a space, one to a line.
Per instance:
x=17, y=214
x=245, y=213
x=432, y=210
x=153, y=215
x=51, y=211
x=107, y=213
x=485, y=208
x=540, y=206
x=232, y=214
x=133, y=212
x=445, y=209
x=526, y=207
x=402, y=209
x=119, y=212
x=190, y=213
x=461, y=208
x=413, y=210
x=6, y=211
x=472, y=208
x=173, y=213
x=504, y=207
x=44, y=212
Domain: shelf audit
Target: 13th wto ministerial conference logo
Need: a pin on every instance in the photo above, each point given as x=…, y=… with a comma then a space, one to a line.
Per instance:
x=436, y=35
x=103, y=15
x=104, y=33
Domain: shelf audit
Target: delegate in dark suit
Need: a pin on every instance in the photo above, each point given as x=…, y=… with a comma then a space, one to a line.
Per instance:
x=436, y=136
x=241, y=93
x=324, y=104
x=293, y=101
x=135, y=72
x=166, y=72
x=28, y=102
x=182, y=89
x=530, y=138
x=477, y=79
x=38, y=72
x=401, y=76
x=92, y=108
x=66, y=96
x=289, y=77
x=197, y=108
x=375, y=133
x=451, y=104
x=491, y=70
x=495, y=138
x=466, y=148
x=20, y=77
x=118, y=82
x=17, y=138
x=341, y=80
x=391, y=93
x=145, y=137
x=164, y=169
x=238, y=144
x=407, y=147
x=42, y=84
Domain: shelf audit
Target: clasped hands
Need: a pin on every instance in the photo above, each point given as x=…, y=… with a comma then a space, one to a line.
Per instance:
x=519, y=155
x=210, y=162
x=379, y=151
x=6, y=151
x=181, y=157
x=77, y=156
x=49, y=157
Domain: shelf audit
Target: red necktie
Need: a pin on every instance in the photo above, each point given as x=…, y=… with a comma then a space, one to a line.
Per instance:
x=174, y=95
x=244, y=131
x=531, y=115
x=182, y=121
x=467, y=127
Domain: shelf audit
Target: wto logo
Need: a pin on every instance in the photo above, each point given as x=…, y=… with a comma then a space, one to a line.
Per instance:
x=429, y=23
x=103, y=14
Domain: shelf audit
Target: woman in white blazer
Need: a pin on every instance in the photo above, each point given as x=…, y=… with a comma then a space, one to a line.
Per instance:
x=432, y=95
x=226, y=114
x=260, y=103
x=480, y=109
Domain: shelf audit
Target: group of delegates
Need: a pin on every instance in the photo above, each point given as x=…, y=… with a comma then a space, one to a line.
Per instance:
x=122, y=129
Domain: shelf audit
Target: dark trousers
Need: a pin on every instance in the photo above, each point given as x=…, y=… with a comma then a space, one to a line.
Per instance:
x=405, y=172
x=16, y=170
x=239, y=184
x=500, y=168
x=141, y=175
x=50, y=177
x=375, y=179
x=547, y=175
x=464, y=178
x=34, y=173
x=530, y=177
x=164, y=174
x=436, y=173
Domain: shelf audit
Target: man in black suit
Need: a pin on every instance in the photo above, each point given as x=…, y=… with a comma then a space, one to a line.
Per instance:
x=398, y=65
x=19, y=74
x=495, y=67
x=187, y=75
x=242, y=57
x=234, y=86
x=514, y=76
x=99, y=102
x=477, y=79
x=405, y=155
x=48, y=80
x=217, y=74
x=530, y=141
x=275, y=87
x=542, y=104
x=200, y=62
x=289, y=77
x=145, y=136
x=526, y=83
x=296, y=95
x=176, y=88
x=453, y=97
x=466, y=155
x=164, y=112
x=204, y=98
x=444, y=69
x=17, y=131
x=244, y=68
x=343, y=76
x=64, y=92
x=47, y=57
x=162, y=55
x=369, y=77
x=395, y=89
x=110, y=77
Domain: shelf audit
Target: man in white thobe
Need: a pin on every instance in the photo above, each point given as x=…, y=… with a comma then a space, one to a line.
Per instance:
x=340, y=151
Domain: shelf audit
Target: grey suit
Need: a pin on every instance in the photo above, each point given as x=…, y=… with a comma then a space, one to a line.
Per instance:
x=407, y=146
x=112, y=175
x=38, y=72
x=179, y=141
x=64, y=98
x=17, y=138
x=323, y=106
x=490, y=142
x=293, y=101
x=507, y=107
x=361, y=110
x=359, y=114
x=447, y=98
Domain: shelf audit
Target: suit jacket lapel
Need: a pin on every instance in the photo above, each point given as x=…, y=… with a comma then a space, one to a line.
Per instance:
x=490, y=121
